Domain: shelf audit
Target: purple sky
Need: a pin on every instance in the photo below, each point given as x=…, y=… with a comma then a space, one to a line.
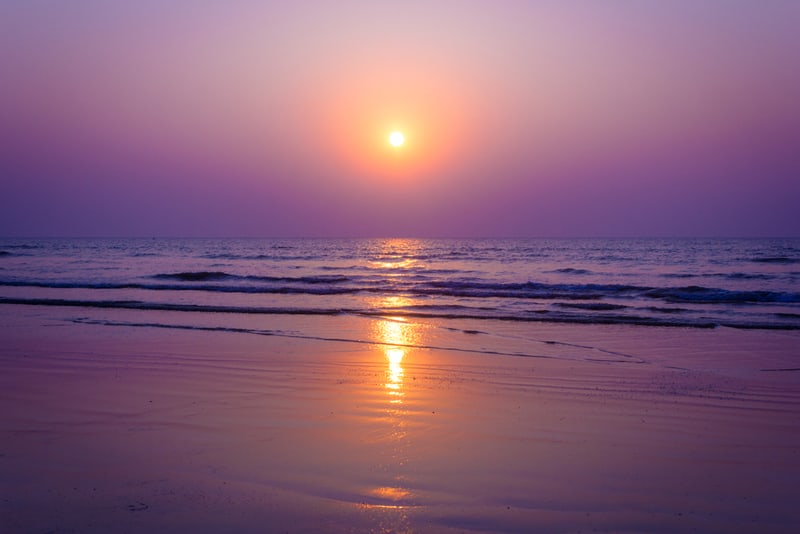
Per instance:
x=199, y=118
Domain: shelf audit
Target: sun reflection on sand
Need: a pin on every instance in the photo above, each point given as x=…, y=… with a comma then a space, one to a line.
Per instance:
x=397, y=335
x=397, y=338
x=395, y=374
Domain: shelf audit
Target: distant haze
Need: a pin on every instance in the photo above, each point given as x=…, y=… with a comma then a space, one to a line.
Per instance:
x=200, y=118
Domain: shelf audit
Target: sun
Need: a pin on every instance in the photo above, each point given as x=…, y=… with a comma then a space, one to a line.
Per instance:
x=396, y=139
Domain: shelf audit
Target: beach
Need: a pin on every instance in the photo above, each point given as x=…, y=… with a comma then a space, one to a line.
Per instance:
x=364, y=424
x=399, y=267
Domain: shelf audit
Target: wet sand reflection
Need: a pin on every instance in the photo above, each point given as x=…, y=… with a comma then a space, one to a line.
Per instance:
x=396, y=334
x=397, y=338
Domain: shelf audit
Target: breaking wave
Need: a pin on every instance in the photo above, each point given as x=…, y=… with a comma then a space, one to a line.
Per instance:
x=744, y=283
x=783, y=260
x=420, y=286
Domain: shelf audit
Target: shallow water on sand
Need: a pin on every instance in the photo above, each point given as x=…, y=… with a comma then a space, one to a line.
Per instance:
x=362, y=424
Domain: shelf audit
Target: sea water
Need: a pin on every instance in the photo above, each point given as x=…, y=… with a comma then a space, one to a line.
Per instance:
x=740, y=283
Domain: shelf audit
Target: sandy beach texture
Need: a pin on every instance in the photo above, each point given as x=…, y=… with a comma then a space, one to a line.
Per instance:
x=350, y=424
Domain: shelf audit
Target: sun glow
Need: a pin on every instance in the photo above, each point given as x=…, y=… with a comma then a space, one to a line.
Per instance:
x=396, y=139
x=366, y=118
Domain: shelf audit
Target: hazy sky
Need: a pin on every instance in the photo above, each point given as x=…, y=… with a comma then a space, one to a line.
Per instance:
x=255, y=118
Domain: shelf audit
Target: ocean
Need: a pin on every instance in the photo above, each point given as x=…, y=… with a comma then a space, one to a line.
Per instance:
x=696, y=283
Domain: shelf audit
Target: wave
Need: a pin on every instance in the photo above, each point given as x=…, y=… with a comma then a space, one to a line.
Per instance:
x=203, y=276
x=659, y=309
x=200, y=276
x=527, y=290
x=222, y=282
x=706, y=295
x=211, y=288
x=5, y=253
x=571, y=270
x=748, y=276
x=164, y=306
x=427, y=312
x=238, y=257
x=280, y=255
x=23, y=246
x=726, y=276
x=598, y=306
x=785, y=260
x=261, y=257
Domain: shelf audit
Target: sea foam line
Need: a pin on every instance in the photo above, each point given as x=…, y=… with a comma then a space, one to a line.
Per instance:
x=280, y=333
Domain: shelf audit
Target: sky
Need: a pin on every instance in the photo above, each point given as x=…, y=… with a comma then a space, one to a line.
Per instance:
x=522, y=119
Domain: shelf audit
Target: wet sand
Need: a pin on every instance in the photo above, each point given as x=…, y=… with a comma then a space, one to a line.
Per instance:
x=348, y=424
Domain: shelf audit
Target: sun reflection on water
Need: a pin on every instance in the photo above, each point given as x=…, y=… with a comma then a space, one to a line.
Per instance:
x=392, y=494
x=398, y=340
x=394, y=256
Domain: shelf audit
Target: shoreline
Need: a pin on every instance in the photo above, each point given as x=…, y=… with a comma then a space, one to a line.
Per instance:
x=613, y=428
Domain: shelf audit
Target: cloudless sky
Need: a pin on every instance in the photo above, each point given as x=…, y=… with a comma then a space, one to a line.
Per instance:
x=253, y=118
